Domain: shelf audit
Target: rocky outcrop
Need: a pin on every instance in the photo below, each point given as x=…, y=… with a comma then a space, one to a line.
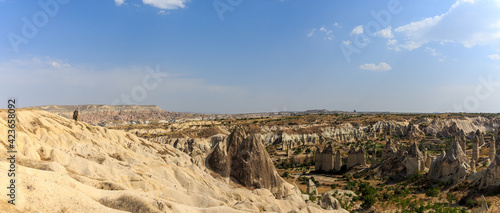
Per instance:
x=450, y=131
x=338, y=161
x=492, y=149
x=492, y=174
x=480, y=137
x=452, y=165
x=311, y=188
x=475, y=148
x=415, y=160
x=356, y=157
x=395, y=164
x=328, y=202
x=325, y=160
x=244, y=158
x=389, y=150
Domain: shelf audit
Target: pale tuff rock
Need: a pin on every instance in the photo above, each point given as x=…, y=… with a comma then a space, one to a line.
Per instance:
x=389, y=150
x=338, y=161
x=425, y=155
x=325, y=160
x=492, y=175
x=462, y=141
x=328, y=202
x=356, y=157
x=395, y=164
x=412, y=132
x=450, y=131
x=452, y=165
x=318, y=160
x=484, y=205
x=81, y=168
x=428, y=161
x=473, y=165
x=475, y=148
x=311, y=188
x=492, y=149
x=415, y=161
x=246, y=161
x=480, y=137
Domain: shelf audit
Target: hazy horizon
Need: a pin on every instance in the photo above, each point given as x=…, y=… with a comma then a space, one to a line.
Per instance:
x=230, y=57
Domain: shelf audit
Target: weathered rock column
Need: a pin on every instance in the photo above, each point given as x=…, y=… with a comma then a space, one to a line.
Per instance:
x=338, y=161
x=475, y=148
x=492, y=149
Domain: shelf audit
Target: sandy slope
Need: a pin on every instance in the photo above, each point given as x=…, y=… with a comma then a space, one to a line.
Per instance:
x=68, y=166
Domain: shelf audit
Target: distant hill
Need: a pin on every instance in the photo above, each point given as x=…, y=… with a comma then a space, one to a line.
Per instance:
x=96, y=114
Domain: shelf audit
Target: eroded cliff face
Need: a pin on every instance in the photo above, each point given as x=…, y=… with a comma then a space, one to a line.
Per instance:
x=311, y=134
x=244, y=158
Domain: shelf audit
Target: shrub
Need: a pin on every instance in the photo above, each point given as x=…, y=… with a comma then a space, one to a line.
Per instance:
x=432, y=192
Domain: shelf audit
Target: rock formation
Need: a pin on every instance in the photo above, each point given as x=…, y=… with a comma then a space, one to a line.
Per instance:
x=492, y=149
x=325, y=160
x=450, y=131
x=389, y=150
x=311, y=188
x=338, y=161
x=475, y=148
x=246, y=161
x=480, y=137
x=452, y=165
x=356, y=157
x=328, y=202
x=76, y=117
x=395, y=164
x=492, y=175
x=415, y=161
x=428, y=161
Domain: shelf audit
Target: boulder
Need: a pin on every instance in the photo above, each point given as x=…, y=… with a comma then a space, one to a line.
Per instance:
x=328, y=202
x=311, y=188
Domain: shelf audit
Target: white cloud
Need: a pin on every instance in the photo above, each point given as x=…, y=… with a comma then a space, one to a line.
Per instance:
x=385, y=33
x=336, y=24
x=310, y=34
x=162, y=4
x=346, y=42
x=323, y=29
x=357, y=30
x=432, y=51
x=119, y=2
x=468, y=22
x=382, y=66
x=166, y=4
x=163, y=12
x=494, y=57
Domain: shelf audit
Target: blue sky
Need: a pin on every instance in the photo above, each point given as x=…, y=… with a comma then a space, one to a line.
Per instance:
x=254, y=56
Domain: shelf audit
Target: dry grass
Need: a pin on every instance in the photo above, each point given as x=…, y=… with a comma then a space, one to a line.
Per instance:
x=128, y=203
